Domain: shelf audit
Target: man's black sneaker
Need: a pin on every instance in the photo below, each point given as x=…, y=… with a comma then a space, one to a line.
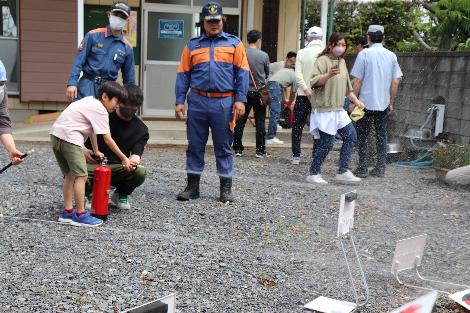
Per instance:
x=377, y=172
x=362, y=173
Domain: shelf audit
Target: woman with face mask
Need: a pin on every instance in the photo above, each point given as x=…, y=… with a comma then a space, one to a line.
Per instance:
x=331, y=84
x=5, y=124
x=101, y=54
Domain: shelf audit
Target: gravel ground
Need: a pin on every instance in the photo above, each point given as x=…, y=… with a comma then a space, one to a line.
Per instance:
x=273, y=250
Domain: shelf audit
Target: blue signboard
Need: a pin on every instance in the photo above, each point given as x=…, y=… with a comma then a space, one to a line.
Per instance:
x=171, y=29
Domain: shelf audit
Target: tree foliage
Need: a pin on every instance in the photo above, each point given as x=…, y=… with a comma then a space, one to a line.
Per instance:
x=439, y=23
x=450, y=22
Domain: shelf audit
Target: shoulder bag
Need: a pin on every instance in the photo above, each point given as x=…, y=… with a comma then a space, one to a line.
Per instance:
x=265, y=96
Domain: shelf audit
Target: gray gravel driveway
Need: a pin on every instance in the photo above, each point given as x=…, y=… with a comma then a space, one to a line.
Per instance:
x=273, y=250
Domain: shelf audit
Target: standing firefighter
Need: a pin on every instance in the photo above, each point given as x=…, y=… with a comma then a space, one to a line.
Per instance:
x=102, y=53
x=215, y=69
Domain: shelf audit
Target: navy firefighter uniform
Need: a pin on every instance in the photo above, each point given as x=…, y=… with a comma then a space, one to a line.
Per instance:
x=100, y=56
x=215, y=70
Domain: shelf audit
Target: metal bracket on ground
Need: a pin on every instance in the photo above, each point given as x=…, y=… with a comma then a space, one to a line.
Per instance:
x=408, y=255
x=345, y=225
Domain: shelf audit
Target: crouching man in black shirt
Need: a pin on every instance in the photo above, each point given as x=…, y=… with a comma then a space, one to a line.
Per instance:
x=131, y=136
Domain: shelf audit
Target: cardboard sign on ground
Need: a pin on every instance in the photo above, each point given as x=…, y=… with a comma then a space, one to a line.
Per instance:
x=328, y=305
x=163, y=305
x=346, y=213
x=462, y=298
x=423, y=304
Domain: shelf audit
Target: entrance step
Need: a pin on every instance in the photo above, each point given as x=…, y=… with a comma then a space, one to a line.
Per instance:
x=161, y=133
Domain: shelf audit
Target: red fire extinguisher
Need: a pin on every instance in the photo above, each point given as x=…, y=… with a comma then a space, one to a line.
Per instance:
x=101, y=187
x=287, y=105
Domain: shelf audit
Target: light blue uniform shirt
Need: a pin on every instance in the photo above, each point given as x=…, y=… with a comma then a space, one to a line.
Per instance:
x=376, y=67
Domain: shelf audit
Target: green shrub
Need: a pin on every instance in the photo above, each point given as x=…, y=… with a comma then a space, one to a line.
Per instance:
x=451, y=156
x=408, y=46
x=464, y=46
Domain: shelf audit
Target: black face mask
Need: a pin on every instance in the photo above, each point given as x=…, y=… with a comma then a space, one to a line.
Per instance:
x=127, y=113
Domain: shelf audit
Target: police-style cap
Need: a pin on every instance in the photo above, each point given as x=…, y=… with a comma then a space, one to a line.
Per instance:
x=212, y=11
x=121, y=6
x=376, y=29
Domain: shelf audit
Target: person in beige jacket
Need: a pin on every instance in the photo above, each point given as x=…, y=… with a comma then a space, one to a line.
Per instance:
x=330, y=79
x=303, y=71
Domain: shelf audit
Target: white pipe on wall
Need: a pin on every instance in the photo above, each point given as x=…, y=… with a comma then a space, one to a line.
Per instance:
x=250, y=15
x=80, y=21
x=324, y=20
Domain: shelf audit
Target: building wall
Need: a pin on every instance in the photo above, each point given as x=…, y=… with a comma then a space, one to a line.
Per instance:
x=132, y=3
x=257, y=17
x=289, y=27
x=48, y=39
x=47, y=54
x=288, y=23
x=427, y=76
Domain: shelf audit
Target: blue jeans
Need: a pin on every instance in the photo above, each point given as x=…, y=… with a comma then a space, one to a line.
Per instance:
x=275, y=110
x=326, y=142
x=346, y=104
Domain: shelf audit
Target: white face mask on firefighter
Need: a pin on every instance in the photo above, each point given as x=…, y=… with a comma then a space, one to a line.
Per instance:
x=116, y=23
x=2, y=93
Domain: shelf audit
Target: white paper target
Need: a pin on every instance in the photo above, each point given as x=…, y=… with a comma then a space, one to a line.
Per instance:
x=346, y=213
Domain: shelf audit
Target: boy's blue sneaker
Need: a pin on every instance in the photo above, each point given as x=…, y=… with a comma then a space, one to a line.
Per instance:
x=66, y=217
x=86, y=220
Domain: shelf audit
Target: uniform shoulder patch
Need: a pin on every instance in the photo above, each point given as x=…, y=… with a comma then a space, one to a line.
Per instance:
x=127, y=42
x=98, y=30
x=233, y=36
x=234, y=40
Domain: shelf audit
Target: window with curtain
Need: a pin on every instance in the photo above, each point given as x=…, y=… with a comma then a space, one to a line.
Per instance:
x=9, y=41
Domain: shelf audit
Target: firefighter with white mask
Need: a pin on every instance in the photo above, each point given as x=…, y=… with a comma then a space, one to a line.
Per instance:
x=5, y=123
x=102, y=53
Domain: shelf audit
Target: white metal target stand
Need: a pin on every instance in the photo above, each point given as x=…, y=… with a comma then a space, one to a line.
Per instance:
x=408, y=255
x=345, y=225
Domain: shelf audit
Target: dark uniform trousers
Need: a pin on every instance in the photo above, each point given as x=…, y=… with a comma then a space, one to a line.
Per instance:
x=253, y=101
x=125, y=182
x=302, y=110
x=363, y=126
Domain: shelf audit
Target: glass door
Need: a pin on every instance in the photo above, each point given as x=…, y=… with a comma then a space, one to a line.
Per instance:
x=166, y=34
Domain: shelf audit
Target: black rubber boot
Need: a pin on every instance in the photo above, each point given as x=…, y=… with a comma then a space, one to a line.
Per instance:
x=226, y=189
x=192, y=188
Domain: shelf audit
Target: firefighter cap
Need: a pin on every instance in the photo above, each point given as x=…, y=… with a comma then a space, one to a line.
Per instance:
x=212, y=11
x=121, y=6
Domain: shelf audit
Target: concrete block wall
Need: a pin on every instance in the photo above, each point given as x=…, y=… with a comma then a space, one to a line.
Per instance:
x=427, y=76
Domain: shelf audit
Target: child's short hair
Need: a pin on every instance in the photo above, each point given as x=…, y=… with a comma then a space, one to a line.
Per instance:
x=135, y=96
x=112, y=90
